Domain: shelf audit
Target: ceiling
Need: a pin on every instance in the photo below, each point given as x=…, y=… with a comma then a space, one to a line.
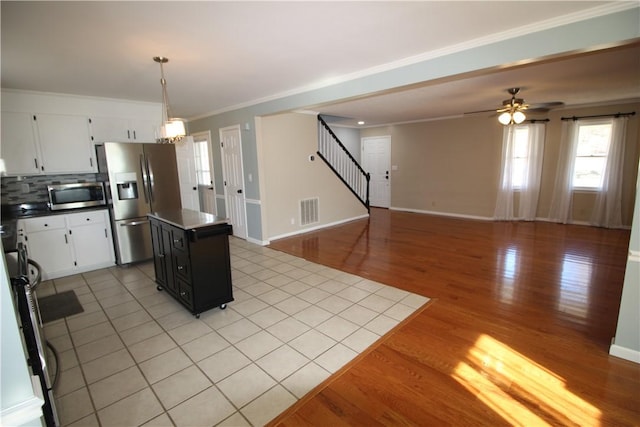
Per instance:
x=225, y=55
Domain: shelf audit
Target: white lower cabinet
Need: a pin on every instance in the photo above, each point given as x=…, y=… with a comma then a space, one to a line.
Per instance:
x=68, y=244
x=47, y=244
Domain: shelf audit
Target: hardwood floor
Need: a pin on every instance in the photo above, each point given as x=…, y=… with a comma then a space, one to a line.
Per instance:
x=517, y=331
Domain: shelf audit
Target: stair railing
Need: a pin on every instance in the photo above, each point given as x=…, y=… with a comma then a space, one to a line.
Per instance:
x=342, y=163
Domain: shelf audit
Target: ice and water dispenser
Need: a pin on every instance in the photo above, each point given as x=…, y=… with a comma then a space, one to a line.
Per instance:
x=127, y=186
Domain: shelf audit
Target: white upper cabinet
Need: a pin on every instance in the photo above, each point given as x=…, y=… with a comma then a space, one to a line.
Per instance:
x=35, y=144
x=120, y=129
x=45, y=133
x=18, y=146
x=65, y=144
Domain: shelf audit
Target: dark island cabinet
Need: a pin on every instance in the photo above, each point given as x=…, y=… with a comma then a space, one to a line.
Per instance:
x=193, y=265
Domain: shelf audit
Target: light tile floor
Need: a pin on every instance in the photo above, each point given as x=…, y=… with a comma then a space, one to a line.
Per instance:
x=136, y=357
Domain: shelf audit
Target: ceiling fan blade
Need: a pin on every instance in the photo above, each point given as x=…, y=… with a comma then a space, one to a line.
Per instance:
x=480, y=112
x=538, y=110
x=547, y=105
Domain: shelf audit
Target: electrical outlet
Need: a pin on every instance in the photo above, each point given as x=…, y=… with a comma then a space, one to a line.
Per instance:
x=25, y=187
x=293, y=221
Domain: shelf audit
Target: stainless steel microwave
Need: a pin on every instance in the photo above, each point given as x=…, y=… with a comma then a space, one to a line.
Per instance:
x=74, y=196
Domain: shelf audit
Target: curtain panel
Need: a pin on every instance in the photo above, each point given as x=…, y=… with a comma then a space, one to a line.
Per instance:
x=530, y=170
x=563, y=188
x=607, y=211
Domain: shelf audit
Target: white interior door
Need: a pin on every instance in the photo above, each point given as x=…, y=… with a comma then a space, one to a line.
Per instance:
x=233, y=175
x=376, y=159
x=185, y=158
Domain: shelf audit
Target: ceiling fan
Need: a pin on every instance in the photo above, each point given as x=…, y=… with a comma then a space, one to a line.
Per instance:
x=512, y=110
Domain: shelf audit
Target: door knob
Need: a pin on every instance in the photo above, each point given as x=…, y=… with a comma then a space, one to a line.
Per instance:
x=240, y=191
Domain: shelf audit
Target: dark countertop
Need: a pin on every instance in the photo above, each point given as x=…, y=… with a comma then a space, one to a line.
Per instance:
x=32, y=210
x=10, y=214
x=188, y=219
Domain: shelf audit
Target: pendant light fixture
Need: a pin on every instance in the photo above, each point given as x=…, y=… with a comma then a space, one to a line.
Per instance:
x=172, y=129
x=512, y=109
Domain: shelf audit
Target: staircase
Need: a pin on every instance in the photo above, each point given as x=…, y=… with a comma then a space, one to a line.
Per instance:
x=342, y=163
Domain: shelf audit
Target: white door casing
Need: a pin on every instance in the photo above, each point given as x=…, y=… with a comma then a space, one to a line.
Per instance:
x=185, y=158
x=233, y=176
x=376, y=159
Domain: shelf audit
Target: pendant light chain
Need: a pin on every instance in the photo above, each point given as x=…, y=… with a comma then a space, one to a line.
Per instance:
x=166, y=111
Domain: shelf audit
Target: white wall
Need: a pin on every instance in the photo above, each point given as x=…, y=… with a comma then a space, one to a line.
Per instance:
x=18, y=405
x=626, y=343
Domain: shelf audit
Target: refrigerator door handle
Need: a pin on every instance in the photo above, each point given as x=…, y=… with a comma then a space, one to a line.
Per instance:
x=145, y=179
x=149, y=179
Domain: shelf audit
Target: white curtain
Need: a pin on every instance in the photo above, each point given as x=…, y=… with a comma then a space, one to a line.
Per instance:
x=563, y=192
x=531, y=172
x=607, y=211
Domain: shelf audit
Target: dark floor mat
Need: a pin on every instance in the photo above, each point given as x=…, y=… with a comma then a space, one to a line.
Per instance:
x=57, y=306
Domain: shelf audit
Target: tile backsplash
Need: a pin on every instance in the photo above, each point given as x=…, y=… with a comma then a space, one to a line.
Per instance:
x=33, y=189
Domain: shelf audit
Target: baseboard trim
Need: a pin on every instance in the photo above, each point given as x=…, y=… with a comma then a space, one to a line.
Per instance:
x=447, y=214
x=624, y=353
x=318, y=227
x=490, y=218
x=257, y=242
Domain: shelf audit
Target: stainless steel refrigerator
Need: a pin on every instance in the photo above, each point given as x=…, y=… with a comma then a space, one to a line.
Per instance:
x=139, y=178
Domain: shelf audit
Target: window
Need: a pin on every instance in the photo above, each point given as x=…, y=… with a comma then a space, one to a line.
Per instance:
x=594, y=139
x=202, y=162
x=520, y=157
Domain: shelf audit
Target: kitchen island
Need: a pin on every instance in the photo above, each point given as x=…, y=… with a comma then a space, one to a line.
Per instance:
x=191, y=258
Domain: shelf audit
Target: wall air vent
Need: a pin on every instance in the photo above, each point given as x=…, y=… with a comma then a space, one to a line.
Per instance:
x=309, y=211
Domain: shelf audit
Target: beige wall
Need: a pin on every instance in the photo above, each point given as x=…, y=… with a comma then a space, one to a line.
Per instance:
x=446, y=166
x=286, y=141
x=453, y=166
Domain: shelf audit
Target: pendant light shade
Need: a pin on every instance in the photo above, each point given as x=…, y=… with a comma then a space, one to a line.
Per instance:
x=172, y=129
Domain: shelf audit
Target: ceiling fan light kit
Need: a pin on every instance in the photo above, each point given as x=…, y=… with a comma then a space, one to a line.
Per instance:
x=172, y=130
x=512, y=109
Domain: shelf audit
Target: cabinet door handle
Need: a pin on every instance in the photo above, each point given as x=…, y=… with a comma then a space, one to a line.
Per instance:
x=160, y=255
x=36, y=162
x=66, y=240
x=182, y=293
x=181, y=267
x=105, y=234
x=176, y=241
x=128, y=134
x=134, y=134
